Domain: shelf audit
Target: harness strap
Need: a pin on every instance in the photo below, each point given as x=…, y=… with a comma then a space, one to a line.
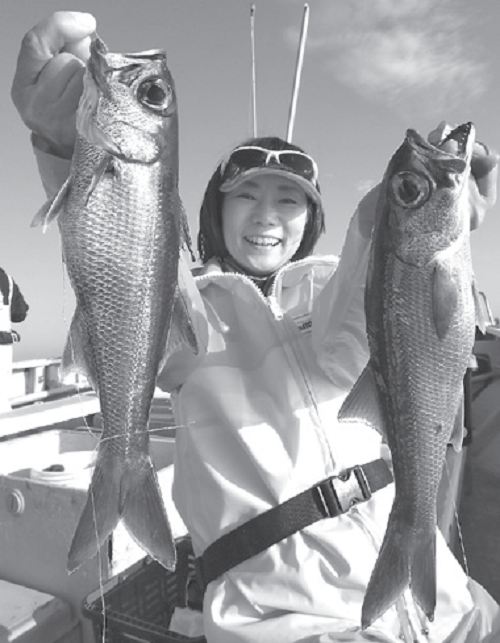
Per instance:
x=328, y=499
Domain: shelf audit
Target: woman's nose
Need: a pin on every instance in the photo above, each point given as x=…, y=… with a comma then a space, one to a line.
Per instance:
x=265, y=212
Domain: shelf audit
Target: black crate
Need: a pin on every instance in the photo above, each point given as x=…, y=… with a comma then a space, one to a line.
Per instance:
x=139, y=603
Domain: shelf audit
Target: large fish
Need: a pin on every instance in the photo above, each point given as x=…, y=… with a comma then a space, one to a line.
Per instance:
x=420, y=305
x=122, y=227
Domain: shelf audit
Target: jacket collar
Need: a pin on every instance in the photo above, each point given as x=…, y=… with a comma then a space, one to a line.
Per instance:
x=287, y=277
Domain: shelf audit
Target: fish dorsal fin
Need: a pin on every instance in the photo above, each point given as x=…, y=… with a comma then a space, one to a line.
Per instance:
x=51, y=209
x=182, y=325
x=363, y=402
x=444, y=298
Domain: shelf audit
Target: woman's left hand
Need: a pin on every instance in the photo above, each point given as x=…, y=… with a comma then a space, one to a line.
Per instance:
x=484, y=175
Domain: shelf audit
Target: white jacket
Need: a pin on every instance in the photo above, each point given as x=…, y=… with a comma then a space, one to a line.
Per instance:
x=256, y=411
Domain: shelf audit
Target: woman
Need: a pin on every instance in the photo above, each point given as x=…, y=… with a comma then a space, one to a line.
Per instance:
x=282, y=340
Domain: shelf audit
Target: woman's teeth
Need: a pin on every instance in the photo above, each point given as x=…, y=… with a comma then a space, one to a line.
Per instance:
x=263, y=241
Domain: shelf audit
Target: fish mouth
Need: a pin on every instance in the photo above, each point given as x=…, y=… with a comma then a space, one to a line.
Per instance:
x=459, y=141
x=97, y=64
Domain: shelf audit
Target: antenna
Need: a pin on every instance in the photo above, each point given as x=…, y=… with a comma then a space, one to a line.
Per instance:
x=298, y=70
x=254, y=97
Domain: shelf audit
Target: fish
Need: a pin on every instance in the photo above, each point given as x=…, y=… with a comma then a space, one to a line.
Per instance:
x=123, y=228
x=421, y=307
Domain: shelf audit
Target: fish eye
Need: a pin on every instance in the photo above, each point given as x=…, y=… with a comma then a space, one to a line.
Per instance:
x=155, y=94
x=409, y=189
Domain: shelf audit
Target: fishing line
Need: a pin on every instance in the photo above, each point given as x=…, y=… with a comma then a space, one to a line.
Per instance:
x=67, y=324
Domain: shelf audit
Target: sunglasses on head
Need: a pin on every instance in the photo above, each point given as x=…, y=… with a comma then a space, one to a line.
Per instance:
x=249, y=157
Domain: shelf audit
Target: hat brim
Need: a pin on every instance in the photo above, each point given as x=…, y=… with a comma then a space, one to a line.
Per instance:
x=306, y=185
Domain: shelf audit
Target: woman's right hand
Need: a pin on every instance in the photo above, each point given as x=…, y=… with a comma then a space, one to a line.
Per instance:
x=48, y=80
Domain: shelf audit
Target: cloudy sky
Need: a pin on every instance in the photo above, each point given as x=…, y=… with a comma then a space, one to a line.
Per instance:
x=371, y=70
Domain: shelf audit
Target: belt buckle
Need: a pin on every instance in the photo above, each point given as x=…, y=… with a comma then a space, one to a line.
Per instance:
x=339, y=493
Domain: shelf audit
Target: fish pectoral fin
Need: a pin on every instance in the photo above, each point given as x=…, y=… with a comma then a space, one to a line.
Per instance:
x=76, y=355
x=51, y=209
x=444, y=298
x=101, y=512
x=363, y=402
x=105, y=165
x=144, y=514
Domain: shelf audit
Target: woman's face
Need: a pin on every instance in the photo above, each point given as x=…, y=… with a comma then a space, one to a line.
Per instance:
x=263, y=222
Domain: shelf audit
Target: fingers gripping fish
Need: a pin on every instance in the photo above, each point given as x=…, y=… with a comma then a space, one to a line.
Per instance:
x=420, y=306
x=122, y=226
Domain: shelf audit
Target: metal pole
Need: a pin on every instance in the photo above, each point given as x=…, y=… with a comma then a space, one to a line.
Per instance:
x=254, y=97
x=298, y=70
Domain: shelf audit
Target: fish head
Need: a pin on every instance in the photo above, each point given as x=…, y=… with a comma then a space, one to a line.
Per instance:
x=425, y=208
x=128, y=107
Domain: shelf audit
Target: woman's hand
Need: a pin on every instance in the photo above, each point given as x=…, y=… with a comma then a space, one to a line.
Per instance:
x=484, y=175
x=48, y=80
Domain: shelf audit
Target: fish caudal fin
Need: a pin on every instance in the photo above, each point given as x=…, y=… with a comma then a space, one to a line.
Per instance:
x=100, y=514
x=145, y=517
x=130, y=492
x=423, y=574
x=405, y=559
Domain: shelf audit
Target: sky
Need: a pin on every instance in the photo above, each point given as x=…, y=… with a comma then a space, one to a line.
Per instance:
x=372, y=69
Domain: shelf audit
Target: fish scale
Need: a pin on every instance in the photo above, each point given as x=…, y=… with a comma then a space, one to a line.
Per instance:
x=120, y=219
x=420, y=306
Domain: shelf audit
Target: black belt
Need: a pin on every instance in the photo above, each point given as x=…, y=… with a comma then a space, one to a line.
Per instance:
x=331, y=497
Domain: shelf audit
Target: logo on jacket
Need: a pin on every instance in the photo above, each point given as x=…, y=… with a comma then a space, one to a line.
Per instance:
x=304, y=323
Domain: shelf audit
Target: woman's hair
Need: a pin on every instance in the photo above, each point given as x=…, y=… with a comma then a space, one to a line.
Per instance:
x=210, y=236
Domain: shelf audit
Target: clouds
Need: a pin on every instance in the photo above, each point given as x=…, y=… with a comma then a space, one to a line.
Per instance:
x=398, y=51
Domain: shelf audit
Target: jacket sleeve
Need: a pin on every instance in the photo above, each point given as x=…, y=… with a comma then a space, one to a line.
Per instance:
x=339, y=327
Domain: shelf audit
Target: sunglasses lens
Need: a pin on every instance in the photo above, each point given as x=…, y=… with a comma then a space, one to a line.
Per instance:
x=299, y=164
x=247, y=158
x=242, y=160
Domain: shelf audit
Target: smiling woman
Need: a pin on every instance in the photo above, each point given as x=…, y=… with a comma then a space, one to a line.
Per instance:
x=286, y=506
x=262, y=207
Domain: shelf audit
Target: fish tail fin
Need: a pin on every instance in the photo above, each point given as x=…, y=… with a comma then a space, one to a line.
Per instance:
x=144, y=514
x=101, y=512
x=423, y=573
x=131, y=493
x=391, y=574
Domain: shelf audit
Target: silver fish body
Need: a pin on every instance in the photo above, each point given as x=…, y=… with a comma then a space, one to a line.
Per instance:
x=121, y=224
x=420, y=316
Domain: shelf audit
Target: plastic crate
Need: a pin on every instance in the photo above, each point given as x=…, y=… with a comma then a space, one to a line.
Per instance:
x=139, y=603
